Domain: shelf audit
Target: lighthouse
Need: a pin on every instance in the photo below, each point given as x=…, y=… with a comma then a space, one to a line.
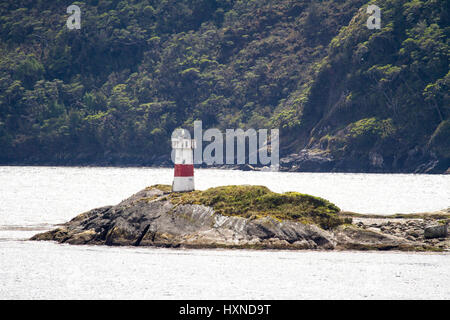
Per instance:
x=182, y=152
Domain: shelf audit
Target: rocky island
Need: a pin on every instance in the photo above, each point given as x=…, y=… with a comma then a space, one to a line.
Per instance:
x=248, y=217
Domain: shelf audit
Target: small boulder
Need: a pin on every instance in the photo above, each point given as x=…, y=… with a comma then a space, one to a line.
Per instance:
x=413, y=233
x=82, y=237
x=436, y=231
x=246, y=167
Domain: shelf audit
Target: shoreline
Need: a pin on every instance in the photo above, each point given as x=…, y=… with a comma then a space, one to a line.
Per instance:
x=219, y=249
x=224, y=167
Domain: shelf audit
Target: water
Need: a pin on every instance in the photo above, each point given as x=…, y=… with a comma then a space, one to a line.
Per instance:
x=33, y=199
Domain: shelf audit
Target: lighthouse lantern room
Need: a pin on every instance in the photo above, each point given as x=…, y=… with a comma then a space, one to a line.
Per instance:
x=183, y=147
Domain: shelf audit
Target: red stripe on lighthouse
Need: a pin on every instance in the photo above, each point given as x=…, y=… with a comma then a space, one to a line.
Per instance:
x=184, y=170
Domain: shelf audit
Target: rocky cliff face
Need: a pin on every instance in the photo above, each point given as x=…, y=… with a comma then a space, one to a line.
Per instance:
x=151, y=218
x=317, y=160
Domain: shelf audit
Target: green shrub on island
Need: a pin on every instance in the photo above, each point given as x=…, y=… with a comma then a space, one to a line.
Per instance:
x=255, y=202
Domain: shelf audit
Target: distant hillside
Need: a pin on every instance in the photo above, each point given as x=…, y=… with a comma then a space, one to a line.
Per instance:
x=113, y=91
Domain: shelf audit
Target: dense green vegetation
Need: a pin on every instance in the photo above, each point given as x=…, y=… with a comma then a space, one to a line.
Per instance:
x=387, y=91
x=258, y=202
x=113, y=91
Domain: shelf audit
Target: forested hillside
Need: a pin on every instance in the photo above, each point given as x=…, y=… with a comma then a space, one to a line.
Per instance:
x=113, y=91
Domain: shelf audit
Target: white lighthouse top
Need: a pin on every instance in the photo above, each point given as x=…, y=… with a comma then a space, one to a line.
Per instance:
x=181, y=139
x=183, y=144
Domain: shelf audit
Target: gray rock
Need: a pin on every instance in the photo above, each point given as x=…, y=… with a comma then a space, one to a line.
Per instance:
x=436, y=231
x=413, y=233
x=350, y=237
x=308, y=160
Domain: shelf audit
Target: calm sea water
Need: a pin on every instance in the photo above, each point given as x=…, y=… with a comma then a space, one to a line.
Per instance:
x=33, y=199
